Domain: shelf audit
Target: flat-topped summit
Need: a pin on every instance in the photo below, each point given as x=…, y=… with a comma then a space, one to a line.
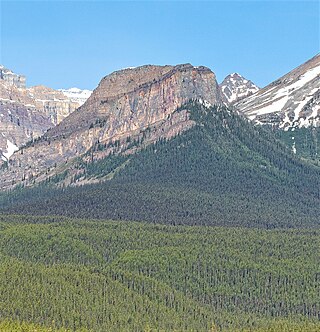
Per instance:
x=144, y=94
x=125, y=103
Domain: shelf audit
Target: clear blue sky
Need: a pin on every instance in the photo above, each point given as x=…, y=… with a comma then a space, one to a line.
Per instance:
x=63, y=44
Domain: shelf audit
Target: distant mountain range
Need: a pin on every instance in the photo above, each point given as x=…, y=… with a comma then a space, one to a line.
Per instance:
x=27, y=113
x=77, y=95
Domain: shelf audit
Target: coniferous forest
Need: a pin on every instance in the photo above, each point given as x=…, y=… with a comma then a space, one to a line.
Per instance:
x=216, y=229
x=61, y=274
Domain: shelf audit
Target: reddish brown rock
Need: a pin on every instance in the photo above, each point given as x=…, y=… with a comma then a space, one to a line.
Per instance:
x=124, y=103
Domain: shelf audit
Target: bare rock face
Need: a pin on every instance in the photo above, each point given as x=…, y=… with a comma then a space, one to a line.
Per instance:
x=291, y=101
x=235, y=87
x=132, y=98
x=52, y=102
x=27, y=113
x=125, y=103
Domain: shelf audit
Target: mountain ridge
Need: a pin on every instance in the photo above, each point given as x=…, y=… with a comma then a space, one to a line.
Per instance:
x=290, y=101
x=221, y=171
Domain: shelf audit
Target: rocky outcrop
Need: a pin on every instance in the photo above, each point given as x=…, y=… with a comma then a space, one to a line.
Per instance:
x=291, y=101
x=235, y=87
x=125, y=103
x=132, y=98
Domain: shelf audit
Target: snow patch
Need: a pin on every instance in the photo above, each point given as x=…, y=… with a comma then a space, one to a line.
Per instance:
x=11, y=149
x=77, y=95
x=205, y=103
x=128, y=68
x=274, y=106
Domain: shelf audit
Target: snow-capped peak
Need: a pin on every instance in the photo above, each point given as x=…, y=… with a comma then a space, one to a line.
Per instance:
x=291, y=101
x=77, y=95
x=236, y=87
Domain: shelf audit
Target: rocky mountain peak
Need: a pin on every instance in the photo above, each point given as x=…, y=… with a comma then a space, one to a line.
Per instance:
x=235, y=87
x=291, y=101
x=122, y=107
x=138, y=96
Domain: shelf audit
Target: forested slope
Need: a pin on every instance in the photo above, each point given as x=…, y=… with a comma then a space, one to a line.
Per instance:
x=124, y=276
x=222, y=171
x=305, y=142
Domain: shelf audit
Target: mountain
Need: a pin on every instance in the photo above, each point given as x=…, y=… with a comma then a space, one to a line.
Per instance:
x=27, y=113
x=77, y=95
x=155, y=143
x=12, y=78
x=292, y=101
x=219, y=171
x=291, y=107
x=117, y=275
x=125, y=103
x=235, y=87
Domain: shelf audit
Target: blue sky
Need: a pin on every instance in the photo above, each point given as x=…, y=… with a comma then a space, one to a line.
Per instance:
x=63, y=44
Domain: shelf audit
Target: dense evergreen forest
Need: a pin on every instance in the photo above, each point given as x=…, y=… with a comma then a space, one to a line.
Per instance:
x=60, y=274
x=223, y=171
x=304, y=141
x=228, y=237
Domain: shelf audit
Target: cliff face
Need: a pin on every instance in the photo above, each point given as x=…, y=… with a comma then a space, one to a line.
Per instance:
x=133, y=98
x=125, y=103
x=53, y=103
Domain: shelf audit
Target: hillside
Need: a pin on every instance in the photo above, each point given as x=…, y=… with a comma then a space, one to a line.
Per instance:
x=304, y=142
x=222, y=170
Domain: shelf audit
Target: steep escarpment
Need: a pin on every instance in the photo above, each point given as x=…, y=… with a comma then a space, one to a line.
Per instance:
x=133, y=98
x=125, y=103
